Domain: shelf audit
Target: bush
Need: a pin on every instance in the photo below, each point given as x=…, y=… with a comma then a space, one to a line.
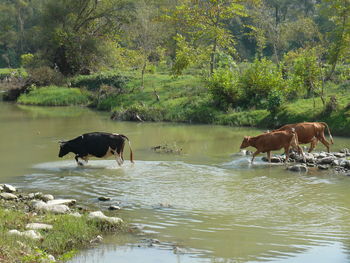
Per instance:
x=274, y=101
x=44, y=76
x=258, y=81
x=223, y=85
x=304, y=72
x=93, y=82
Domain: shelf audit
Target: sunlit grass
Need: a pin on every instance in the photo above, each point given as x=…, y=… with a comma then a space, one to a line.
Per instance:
x=54, y=96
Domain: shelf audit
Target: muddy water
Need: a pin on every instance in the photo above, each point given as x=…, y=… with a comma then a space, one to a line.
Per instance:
x=208, y=204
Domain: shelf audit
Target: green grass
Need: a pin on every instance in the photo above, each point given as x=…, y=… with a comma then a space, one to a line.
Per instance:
x=69, y=234
x=54, y=96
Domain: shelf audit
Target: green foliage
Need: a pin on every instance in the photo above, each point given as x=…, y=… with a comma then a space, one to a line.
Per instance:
x=54, y=96
x=304, y=72
x=27, y=59
x=224, y=87
x=274, y=101
x=259, y=80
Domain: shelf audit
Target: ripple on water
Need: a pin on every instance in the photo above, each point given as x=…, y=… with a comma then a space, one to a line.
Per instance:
x=205, y=206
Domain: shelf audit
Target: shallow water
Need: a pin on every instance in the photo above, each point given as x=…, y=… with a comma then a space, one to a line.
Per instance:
x=208, y=204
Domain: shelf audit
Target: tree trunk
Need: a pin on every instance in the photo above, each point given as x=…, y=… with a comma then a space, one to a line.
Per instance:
x=143, y=74
x=212, y=57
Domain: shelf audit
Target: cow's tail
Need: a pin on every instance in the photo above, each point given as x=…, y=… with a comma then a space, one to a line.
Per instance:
x=131, y=153
x=329, y=132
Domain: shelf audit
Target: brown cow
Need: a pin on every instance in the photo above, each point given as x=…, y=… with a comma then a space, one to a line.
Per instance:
x=309, y=132
x=273, y=141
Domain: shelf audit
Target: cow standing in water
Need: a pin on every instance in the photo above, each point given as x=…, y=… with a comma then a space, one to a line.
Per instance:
x=272, y=141
x=310, y=132
x=96, y=144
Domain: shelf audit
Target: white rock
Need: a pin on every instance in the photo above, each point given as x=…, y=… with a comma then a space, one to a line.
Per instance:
x=8, y=196
x=62, y=202
x=47, y=198
x=57, y=209
x=29, y=233
x=9, y=188
x=100, y=216
x=37, y=226
x=1, y=187
x=97, y=239
x=50, y=258
x=76, y=214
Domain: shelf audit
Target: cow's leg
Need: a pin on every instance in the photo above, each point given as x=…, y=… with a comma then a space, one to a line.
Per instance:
x=269, y=156
x=313, y=144
x=324, y=141
x=118, y=158
x=77, y=160
x=255, y=154
x=286, y=152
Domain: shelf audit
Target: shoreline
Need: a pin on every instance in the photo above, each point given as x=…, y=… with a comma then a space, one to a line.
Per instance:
x=36, y=227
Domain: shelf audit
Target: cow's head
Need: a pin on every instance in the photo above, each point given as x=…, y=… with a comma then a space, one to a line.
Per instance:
x=245, y=142
x=64, y=148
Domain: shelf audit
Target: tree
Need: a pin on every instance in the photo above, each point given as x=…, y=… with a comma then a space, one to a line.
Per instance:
x=145, y=35
x=75, y=36
x=204, y=23
x=338, y=12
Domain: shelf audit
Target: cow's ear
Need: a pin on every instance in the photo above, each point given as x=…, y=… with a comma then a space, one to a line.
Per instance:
x=62, y=142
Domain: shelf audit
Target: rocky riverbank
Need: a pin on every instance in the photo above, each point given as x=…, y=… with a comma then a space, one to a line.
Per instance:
x=36, y=227
x=338, y=161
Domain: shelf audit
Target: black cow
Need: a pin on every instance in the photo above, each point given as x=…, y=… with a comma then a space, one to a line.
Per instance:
x=97, y=144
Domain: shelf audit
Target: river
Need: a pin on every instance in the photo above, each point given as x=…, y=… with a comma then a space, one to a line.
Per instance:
x=207, y=204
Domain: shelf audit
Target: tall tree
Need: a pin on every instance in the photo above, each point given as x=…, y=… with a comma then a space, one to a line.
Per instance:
x=338, y=12
x=205, y=24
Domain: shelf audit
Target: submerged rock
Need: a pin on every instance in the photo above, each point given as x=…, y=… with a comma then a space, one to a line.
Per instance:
x=298, y=168
x=323, y=167
x=114, y=207
x=104, y=198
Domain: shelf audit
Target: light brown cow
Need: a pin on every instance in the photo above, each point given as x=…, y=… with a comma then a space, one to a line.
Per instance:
x=273, y=141
x=310, y=132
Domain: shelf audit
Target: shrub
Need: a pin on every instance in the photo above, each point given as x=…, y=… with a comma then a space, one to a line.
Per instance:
x=44, y=76
x=274, y=101
x=223, y=85
x=304, y=72
x=258, y=80
x=93, y=82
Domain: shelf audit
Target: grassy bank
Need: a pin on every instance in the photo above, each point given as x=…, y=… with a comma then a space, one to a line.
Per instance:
x=69, y=233
x=183, y=99
x=54, y=96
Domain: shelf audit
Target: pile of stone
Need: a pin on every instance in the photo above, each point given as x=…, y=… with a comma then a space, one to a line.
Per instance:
x=339, y=161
